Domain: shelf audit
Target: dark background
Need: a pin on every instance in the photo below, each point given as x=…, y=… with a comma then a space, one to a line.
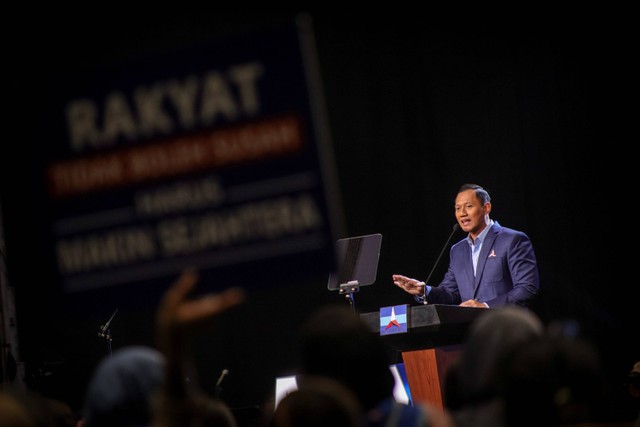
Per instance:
x=534, y=109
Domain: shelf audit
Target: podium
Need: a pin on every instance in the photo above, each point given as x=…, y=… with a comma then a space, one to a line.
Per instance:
x=433, y=341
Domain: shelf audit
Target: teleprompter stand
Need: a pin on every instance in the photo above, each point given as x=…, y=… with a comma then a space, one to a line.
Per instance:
x=357, y=265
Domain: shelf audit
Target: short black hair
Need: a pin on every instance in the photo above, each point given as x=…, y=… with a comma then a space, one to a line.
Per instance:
x=481, y=193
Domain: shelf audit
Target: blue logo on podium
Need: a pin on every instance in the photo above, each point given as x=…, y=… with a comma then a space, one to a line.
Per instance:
x=393, y=320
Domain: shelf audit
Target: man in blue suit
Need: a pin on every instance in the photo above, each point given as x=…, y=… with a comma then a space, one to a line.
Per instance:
x=492, y=267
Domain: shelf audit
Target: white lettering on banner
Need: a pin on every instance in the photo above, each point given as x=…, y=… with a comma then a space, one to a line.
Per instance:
x=245, y=77
x=111, y=249
x=118, y=119
x=158, y=109
x=247, y=223
x=269, y=219
x=217, y=99
x=183, y=96
x=180, y=196
x=153, y=119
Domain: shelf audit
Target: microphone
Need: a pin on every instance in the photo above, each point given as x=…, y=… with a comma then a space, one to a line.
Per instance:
x=104, y=328
x=455, y=228
x=224, y=373
x=222, y=376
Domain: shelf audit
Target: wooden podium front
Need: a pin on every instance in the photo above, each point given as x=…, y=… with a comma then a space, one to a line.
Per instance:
x=434, y=339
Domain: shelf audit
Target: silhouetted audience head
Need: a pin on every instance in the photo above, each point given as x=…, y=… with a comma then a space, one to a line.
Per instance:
x=337, y=344
x=633, y=387
x=554, y=381
x=211, y=412
x=61, y=413
x=13, y=413
x=489, y=345
x=633, y=384
x=23, y=408
x=121, y=389
x=475, y=383
x=318, y=402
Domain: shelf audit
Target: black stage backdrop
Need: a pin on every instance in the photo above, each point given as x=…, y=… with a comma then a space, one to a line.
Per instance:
x=532, y=111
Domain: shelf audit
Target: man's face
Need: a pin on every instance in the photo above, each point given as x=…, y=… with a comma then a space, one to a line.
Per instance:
x=470, y=212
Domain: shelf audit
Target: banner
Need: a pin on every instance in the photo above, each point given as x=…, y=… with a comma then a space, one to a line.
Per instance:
x=215, y=156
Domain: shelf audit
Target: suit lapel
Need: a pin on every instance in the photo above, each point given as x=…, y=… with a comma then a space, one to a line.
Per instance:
x=487, y=246
x=468, y=265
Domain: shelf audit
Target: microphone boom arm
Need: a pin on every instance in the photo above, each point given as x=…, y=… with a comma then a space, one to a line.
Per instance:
x=455, y=228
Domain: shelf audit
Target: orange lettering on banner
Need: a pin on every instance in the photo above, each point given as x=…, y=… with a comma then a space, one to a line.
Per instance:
x=251, y=142
x=81, y=174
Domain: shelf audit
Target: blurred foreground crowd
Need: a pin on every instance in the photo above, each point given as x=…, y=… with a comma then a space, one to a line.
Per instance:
x=512, y=371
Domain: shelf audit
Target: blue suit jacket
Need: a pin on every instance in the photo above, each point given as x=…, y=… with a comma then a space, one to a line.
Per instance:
x=507, y=271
